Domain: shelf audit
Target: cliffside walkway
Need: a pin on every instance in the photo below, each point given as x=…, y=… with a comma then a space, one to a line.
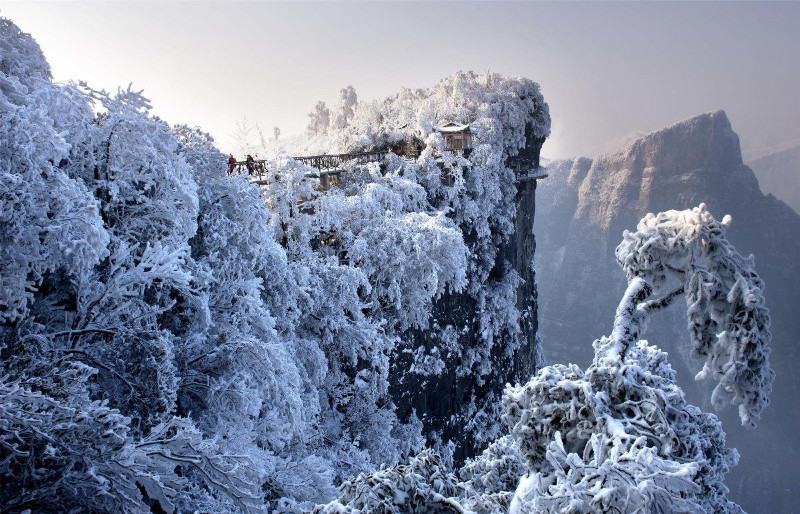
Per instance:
x=331, y=165
x=327, y=165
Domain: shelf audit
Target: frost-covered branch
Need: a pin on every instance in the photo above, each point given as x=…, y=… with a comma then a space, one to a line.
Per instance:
x=729, y=324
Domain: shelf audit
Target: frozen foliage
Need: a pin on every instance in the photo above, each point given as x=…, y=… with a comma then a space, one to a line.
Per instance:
x=319, y=120
x=98, y=211
x=490, y=479
x=346, y=107
x=498, y=107
x=71, y=453
x=618, y=437
x=422, y=485
x=22, y=58
x=159, y=349
x=729, y=325
x=48, y=219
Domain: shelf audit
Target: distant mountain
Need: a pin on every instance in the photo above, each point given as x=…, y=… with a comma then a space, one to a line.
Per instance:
x=582, y=209
x=751, y=154
x=779, y=173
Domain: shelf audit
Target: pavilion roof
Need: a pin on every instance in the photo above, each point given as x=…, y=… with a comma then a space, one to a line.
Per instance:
x=451, y=128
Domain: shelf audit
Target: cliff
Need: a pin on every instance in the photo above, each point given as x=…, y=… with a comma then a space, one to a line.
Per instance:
x=452, y=404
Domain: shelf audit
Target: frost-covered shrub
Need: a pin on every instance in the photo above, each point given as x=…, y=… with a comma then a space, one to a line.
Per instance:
x=617, y=477
x=67, y=452
x=620, y=436
x=422, y=485
x=411, y=261
x=490, y=479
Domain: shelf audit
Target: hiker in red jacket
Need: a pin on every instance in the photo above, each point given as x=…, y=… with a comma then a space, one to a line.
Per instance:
x=231, y=164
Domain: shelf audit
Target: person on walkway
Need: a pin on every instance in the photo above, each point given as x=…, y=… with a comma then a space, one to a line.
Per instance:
x=250, y=164
x=231, y=164
x=260, y=165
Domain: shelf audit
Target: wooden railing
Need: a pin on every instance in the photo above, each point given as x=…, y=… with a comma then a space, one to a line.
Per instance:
x=462, y=151
x=337, y=161
x=332, y=163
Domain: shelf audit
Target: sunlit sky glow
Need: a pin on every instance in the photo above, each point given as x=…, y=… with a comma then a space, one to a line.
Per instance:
x=608, y=70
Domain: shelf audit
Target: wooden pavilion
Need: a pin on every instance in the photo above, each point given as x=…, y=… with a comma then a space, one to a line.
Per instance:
x=457, y=138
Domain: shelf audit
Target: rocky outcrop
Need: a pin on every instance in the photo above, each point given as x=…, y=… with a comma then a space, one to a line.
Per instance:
x=583, y=209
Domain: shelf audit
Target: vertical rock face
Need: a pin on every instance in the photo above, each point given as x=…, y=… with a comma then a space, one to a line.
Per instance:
x=583, y=209
x=519, y=252
x=450, y=404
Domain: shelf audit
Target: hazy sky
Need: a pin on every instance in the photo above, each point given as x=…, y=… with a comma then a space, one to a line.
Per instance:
x=608, y=70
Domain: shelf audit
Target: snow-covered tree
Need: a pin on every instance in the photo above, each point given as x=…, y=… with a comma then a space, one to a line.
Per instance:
x=345, y=108
x=620, y=436
x=729, y=325
x=319, y=120
x=244, y=137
